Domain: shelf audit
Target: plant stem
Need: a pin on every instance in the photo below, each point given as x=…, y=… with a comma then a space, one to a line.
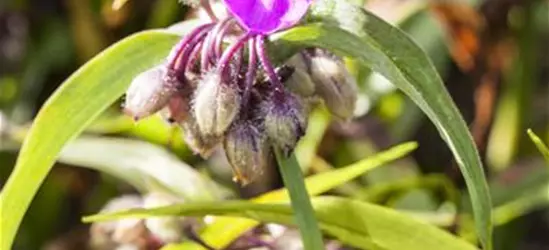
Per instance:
x=301, y=204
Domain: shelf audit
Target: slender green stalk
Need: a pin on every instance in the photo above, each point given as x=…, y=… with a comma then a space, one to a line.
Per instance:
x=301, y=204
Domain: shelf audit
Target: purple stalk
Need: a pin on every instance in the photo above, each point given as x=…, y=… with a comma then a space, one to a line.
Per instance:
x=195, y=54
x=209, y=43
x=267, y=66
x=220, y=35
x=230, y=51
x=239, y=60
x=180, y=47
x=186, y=56
x=252, y=68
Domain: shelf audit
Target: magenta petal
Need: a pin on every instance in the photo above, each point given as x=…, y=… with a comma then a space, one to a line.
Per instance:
x=267, y=16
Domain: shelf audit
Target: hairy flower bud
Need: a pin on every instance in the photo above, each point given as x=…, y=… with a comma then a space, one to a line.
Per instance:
x=247, y=151
x=216, y=104
x=297, y=80
x=335, y=85
x=285, y=121
x=201, y=144
x=300, y=83
x=149, y=92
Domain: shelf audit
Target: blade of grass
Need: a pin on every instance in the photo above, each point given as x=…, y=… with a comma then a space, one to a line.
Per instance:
x=301, y=204
x=224, y=230
x=540, y=145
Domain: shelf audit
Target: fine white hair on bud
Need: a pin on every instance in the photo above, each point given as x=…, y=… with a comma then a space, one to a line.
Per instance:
x=216, y=104
x=247, y=151
x=149, y=92
x=335, y=85
x=201, y=144
x=285, y=121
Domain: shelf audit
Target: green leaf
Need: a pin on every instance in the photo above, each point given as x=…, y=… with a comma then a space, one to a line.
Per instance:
x=304, y=213
x=145, y=166
x=224, y=230
x=80, y=99
x=540, y=145
x=353, y=32
x=352, y=222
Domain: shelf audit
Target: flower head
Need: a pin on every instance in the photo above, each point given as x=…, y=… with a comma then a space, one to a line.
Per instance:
x=250, y=106
x=267, y=16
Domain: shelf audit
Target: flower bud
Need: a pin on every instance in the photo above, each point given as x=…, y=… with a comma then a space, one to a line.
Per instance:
x=297, y=80
x=149, y=92
x=335, y=85
x=176, y=111
x=216, y=104
x=285, y=121
x=201, y=144
x=167, y=229
x=247, y=151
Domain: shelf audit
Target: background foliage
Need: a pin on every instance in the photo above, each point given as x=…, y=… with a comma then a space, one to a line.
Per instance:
x=489, y=54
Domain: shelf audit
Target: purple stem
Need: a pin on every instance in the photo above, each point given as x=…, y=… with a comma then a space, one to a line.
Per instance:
x=194, y=55
x=220, y=35
x=180, y=47
x=252, y=68
x=186, y=56
x=230, y=51
x=267, y=66
x=239, y=60
x=209, y=43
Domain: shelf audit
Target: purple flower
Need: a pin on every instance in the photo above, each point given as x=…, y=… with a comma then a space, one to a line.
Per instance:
x=215, y=95
x=267, y=16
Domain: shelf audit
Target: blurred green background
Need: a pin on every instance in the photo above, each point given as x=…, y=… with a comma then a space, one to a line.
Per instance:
x=492, y=55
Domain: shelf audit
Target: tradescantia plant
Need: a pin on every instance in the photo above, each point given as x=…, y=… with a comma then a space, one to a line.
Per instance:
x=248, y=81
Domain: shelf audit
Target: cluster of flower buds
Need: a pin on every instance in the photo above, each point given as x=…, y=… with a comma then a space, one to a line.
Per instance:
x=219, y=96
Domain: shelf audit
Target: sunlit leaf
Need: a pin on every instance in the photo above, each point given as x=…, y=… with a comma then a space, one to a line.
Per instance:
x=304, y=214
x=80, y=99
x=354, y=32
x=540, y=145
x=224, y=230
x=352, y=222
x=143, y=165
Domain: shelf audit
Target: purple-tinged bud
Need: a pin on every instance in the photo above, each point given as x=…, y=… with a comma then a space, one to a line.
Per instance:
x=335, y=85
x=247, y=151
x=176, y=111
x=285, y=121
x=149, y=92
x=216, y=104
x=201, y=144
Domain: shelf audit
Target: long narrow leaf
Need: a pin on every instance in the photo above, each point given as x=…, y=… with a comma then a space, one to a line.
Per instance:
x=304, y=213
x=224, y=230
x=353, y=222
x=354, y=32
x=540, y=145
x=81, y=99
